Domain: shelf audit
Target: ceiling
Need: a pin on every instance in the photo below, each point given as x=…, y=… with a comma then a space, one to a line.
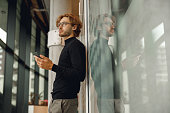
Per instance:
x=40, y=13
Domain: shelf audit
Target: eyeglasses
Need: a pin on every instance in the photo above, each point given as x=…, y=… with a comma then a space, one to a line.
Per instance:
x=63, y=24
x=110, y=24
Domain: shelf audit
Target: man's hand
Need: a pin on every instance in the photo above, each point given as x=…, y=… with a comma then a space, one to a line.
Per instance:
x=44, y=62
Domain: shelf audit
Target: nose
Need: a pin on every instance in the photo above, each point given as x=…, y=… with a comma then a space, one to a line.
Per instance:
x=60, y=27
x=112, y=26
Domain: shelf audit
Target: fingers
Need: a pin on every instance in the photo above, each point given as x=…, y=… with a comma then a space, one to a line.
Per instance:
x=42, y=56
x=35, y=58
x=38, y=60
x=43, y=62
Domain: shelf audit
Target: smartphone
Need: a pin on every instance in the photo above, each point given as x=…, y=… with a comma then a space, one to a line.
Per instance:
x=36, y=54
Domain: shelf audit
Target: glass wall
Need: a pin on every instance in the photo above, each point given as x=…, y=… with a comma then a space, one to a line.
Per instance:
x=16, y=51
x=32, y=63
x=17, y=64
x=2, y=62
x=42, y=71
x=128, y=56
x=3, y=17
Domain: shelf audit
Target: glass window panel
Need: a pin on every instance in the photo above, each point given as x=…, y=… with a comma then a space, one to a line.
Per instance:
x=17, y=29
x=3, y=18
x=42, y=71
x=102, y=41
x=142, y=43
x=32, y=64
x=2, y=60
x=146, y=62
x=3, y=36
x=16, y=51
x=41, y=88
x=3, y=14
x=42, y=51
x=14, y=82
x=2, y=64
x=31, y=88
x=43, y=39
x=33, y=42
x=33, y=30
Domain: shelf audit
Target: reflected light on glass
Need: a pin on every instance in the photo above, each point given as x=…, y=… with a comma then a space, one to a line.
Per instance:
x=162, y=45
x=142, y=42
x=123, y=57
x=158, y=31
x=3, y=35
x=162, y=75
x=125, y=86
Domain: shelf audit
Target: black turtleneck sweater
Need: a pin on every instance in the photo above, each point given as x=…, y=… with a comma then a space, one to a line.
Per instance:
x=70, y=70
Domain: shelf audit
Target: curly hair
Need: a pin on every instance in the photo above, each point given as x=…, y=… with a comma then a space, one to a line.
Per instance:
x=99, y=22
x=74, y=20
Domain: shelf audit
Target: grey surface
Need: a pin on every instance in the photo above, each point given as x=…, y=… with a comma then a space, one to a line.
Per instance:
x=143, y=57
x=143, y=39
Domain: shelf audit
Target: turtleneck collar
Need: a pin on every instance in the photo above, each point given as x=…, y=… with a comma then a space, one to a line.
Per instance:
x=68, y=40
x=103, y=40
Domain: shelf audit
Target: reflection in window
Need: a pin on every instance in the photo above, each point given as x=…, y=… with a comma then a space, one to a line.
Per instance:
x=14, y=82
x=17, y=28
x=126, y=92
x=162, y=74
x=42, y=71
x=41, y=87
x=32, y=63
x=158, y=31
x=123, y=57
x=33, y=41
x=142, y=43
x=31, y=88
x=125, y=87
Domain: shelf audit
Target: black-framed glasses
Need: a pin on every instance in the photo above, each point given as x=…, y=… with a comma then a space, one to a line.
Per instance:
x=63, y=24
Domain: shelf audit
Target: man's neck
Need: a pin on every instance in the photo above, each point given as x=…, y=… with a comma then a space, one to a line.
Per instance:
x=65, y=38
x=102, y=36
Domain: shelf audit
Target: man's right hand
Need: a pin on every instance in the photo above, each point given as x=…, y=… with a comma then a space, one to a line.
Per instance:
x=44, y=62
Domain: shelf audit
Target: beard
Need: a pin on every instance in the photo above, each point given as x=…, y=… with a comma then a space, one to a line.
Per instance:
x=64, y=34
x=108, y=33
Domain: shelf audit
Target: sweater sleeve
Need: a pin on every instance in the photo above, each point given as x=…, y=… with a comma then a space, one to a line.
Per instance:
x=78, y=68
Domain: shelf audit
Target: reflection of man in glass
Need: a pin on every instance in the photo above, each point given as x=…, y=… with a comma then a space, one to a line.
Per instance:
x=103, y=65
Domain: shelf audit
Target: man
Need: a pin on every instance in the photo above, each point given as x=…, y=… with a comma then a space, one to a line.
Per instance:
x=102, y=64
x=71, y=68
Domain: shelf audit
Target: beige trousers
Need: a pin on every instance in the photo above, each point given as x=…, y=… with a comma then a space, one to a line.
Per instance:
x=63, y=106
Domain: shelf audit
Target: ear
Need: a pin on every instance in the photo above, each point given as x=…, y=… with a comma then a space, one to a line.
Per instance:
x=74, y=27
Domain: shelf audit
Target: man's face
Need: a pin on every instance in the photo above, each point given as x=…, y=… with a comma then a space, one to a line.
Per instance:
x=65, y=27
x=108, y=27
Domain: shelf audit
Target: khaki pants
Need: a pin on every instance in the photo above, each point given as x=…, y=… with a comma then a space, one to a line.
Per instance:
x=63, y=106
